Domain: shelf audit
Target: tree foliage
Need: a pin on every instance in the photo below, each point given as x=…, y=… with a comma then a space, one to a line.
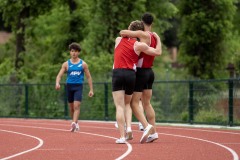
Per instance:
x=110, y=16
x=206, y=27
x=51, y=25
x=17, y=14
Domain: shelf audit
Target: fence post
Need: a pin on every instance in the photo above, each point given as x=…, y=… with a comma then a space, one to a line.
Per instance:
x=65, y=102
x=190, y=107
x=230, y=102
x=106, y=101
x=26, y=101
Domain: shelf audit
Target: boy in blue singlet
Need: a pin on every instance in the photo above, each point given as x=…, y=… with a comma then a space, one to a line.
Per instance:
x=75, y=68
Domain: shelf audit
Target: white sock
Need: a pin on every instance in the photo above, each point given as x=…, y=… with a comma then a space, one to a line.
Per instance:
x=147, y=125
x=129, y=129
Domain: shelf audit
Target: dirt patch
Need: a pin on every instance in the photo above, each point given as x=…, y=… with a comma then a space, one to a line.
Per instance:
x=4, y=37
x=236, y=107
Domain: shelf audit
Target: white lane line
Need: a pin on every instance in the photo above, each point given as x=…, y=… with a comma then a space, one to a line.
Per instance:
x=234, y=154
x=20, y=153
x=193, y=129
x=158, y=127
x=172, y=126
x=198, y=129
x=129, y=150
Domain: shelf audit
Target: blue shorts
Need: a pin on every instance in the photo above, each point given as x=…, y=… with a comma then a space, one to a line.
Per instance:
x=74, y=92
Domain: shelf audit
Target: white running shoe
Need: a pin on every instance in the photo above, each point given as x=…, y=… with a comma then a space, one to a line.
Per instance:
x=73, y=126
x=146, y=133
x=140, y=126
x=77, y=127
x=116, y=125
x=129, y=135
x=152, y=137
x=121, y=140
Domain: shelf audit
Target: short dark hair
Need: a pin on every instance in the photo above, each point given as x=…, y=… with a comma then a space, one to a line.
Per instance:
x=136, y=25
x=75, y=46
x=147, y=18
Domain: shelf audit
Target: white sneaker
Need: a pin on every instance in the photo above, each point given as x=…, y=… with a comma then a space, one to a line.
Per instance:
x=116, y=125
x=77, y=127
x=140, y=126
x=121, y=140
x=129, y=135
x=146, y=133
x=152, y=137
x=73, y=126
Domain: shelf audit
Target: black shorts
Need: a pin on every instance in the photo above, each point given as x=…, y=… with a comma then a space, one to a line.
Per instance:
x=144, y=79
x=123, y=79
x=74, y=92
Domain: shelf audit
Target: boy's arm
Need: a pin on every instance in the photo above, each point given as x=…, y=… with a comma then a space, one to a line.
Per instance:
x=60, y=74
x=143, y=36
x=89, y=79
x=142, y=47
x=117, y=41
x=159, y=43
x=132, y=34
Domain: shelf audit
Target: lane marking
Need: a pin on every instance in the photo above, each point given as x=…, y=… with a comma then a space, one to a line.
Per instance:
x=194, y=127
x=129, y=149
x=158, y=127
x=199, y=129
x=20, y=153
x=234, y=154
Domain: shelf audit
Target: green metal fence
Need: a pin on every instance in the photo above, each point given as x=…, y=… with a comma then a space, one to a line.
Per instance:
x=203, y=101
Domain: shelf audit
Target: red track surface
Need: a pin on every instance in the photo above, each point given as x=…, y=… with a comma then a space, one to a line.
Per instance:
x=27, y=139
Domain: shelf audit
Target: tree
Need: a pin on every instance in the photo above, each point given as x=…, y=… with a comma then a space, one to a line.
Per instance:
x=162, y=10
x=206, y=26
x=17, y=14
x=110, y=16
x=73, y=24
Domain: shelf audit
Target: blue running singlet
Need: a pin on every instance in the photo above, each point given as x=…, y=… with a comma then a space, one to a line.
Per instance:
x=75, y=73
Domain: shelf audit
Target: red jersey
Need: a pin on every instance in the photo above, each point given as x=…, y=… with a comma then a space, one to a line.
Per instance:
x=124, y=54
x=146, y=61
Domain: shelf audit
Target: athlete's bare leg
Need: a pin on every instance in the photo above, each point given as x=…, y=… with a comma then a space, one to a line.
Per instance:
x=76, y=111
x=150, y=113
x=128, y=112
x=118, y=97
x=136, y=110
x=71, y=108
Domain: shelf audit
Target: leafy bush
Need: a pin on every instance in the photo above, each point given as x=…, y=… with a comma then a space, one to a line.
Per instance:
x=210, y=116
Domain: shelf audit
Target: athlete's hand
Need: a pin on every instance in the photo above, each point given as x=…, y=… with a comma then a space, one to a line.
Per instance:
x=90, y=94
x=57, y=87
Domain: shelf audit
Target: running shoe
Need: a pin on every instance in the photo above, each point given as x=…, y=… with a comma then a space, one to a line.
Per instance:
x=116, y=125
x=129, y=135
x=121, y=140
x=77, y=127
x=152, y=137
x=146, y=133
x=140, y=126
x=73, y=126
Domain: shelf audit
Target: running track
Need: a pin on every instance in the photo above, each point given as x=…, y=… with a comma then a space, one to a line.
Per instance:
x=29, y=139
